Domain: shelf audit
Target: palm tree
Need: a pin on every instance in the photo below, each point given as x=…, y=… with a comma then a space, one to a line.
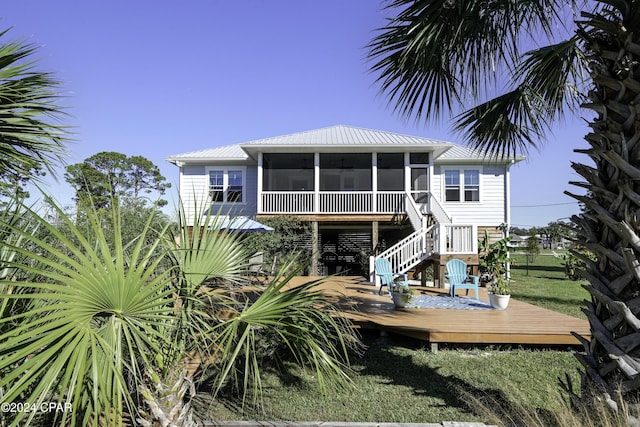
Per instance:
x=221, y=319
x=437, y=56
x=31, y=138
x=119, y=330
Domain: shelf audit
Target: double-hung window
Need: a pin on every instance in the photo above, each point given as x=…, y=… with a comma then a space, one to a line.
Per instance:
x=452, y=185
x=471, y=185
x=216, y=185
x=462, y=185
x=226, y=185
x=234, y=187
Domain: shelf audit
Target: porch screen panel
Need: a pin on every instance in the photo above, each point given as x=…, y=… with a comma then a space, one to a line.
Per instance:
x=287, y=172
x=391, y=172
x=345, y=172
x=420, y=184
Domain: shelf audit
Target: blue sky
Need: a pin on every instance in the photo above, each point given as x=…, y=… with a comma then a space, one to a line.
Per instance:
x=156, y=78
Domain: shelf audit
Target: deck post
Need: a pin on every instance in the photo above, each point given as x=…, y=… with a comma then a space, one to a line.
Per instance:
x=434, y=347
x=315, y=254
x=372, y=271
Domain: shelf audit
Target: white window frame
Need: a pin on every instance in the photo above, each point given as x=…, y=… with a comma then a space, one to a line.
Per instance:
x=464, y=185
x=225, y=186
x=461, y=170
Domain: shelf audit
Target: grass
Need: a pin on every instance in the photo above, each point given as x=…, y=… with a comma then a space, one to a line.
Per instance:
x=542, y=282
x=397, y=380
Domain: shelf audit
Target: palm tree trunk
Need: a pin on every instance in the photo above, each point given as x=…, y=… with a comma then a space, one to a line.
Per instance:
x=609, y=224
x=169, y=401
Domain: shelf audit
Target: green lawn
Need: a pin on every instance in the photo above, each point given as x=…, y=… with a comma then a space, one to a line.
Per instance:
x=397, y=380
x=544, y=283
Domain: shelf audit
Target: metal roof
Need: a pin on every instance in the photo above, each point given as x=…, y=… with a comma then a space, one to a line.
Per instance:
x=224, y=153
x=339, y=137
x=459, y=153
x=343, y=135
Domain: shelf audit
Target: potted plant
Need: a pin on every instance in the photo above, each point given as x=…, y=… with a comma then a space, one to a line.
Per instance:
x=499, y=292
x=493, y=258
x=493, y=261
x=401, y=295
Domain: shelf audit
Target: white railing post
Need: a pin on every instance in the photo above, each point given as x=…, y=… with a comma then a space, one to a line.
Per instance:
x=316, y=183
x=372, y=272
x=474, y=238
x=442, y=238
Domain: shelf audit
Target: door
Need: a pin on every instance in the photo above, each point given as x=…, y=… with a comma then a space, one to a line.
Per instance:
x=420, y=186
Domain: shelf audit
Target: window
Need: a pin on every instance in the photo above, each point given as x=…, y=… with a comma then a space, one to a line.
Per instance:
x=234, y=189
x=452, y=186
x=226, y=185
x=216, y=185
x=471, y=186
x=462, y=185
x=419, y=158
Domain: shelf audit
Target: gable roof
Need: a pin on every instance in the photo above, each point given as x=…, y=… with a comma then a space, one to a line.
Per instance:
x=224, y=153
x=336, y=138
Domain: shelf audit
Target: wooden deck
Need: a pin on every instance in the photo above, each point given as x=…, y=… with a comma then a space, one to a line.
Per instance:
x=521, y=323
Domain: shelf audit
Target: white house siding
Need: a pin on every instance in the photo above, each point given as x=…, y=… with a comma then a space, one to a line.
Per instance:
x=490, y=211
x=194, y=192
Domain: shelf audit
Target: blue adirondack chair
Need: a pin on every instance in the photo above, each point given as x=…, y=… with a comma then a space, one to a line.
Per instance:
x=458, y=277
x=387, y=277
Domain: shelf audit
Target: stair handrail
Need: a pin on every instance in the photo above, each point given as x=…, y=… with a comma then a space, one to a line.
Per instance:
x=408, y=252
x=438, y=211
x=416, y=217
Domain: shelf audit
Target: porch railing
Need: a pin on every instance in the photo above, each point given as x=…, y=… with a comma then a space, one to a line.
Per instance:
x=305, y=202
x=286, y=202
x=456, y=238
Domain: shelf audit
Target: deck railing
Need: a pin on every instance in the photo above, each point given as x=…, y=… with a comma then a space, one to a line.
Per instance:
x=456, y=239
x=305, y=202
x=438, y=238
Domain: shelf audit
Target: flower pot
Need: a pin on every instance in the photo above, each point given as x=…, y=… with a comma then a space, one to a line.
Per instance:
x=400, y=300
x=499, y=302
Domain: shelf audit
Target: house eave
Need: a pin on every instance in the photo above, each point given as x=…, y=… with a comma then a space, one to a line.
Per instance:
x=254, y=149
x=180, y=162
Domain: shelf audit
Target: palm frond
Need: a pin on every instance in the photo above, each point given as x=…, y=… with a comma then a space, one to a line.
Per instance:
x=505, y=125
x=437, y=54
x=30, y=135
x=436, y=57
x=554, y=73
x=93, y=317
x=304, y=319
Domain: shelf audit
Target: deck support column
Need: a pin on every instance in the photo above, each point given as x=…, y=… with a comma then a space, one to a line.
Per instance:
x=375, y=235
x=315, y=255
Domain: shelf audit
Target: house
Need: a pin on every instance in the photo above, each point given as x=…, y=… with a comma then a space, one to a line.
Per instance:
x=518, y=241
x=408, y=198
